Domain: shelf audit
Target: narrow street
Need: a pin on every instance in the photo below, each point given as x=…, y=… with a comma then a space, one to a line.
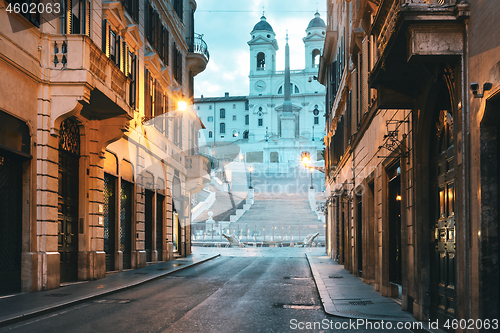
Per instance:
x=271, y=290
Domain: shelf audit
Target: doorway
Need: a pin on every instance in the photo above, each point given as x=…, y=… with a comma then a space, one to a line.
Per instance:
x=109, y=216
x=69, y=156
x=148, y=242
x=159, y=225
x=443, y=212
x=126, y=223
x=395, y=258
x=11, y=184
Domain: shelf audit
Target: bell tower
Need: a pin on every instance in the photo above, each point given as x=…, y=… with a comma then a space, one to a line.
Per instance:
x=263, y=47
x=313, y=42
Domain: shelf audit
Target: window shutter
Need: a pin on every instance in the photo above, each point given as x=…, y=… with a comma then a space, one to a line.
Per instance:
x=364, y=76
x=147, y=94
x=354, y=103
x=88, y=12
x=106, y=47
x=166, y=46
x=69, y=16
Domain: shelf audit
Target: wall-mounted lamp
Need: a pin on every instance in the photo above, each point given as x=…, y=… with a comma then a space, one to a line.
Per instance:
x=474, y=86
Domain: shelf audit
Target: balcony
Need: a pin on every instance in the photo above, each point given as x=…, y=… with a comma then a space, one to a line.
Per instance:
x=407, y=32
x=76, y=62
x=198, y=56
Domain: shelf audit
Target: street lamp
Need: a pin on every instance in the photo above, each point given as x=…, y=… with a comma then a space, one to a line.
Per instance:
x=305, y=160
x=311, y=169
x=250, y=170
x=182, y=105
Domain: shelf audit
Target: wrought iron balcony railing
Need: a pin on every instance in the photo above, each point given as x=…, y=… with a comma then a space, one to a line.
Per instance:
x=196, y=44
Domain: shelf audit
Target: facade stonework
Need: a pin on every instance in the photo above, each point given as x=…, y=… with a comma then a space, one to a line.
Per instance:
x=89, y=105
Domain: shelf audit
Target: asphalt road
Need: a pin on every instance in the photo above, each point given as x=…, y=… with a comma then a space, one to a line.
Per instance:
x=229, y=294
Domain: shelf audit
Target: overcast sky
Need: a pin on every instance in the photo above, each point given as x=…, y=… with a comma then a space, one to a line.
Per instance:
x=226, y=27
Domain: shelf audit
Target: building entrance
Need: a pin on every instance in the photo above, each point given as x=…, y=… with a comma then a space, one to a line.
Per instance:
x=10, y=222
x=69, y=156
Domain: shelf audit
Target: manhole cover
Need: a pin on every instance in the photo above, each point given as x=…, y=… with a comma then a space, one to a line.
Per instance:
x=360, y=302
x=112, y=301
x=57, y=295
x=336, y=277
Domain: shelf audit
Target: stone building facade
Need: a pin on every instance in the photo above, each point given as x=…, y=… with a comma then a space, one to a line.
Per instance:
x=412, y=153
x=97, y=161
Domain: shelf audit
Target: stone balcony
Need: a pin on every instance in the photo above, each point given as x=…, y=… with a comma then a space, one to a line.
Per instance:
x=406, y=33
x=78, y=68
x=198, y=55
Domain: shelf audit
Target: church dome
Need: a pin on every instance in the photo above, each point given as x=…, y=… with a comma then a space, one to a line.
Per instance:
x=316, y=22
x=263, y=25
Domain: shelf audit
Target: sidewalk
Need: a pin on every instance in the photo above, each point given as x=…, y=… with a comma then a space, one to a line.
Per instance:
x=24, y=306
x=345, y=295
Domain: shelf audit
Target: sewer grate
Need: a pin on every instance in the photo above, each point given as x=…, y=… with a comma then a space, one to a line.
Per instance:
x=112, y=301
x=360, y=302
x=336, y=277
x=57, y=295
x=297, y=306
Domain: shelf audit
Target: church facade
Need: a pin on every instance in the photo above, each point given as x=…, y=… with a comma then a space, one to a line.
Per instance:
x=266, y=130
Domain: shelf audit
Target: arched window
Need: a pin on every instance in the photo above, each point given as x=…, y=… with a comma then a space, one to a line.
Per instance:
x=315, y=58
x=280, y=90
x=261, y=61
x=245, y=134
x=222, y=128
x=235, y=133
x=247, y=119
x=210, y=134
x=222, y=113
x=296, y=91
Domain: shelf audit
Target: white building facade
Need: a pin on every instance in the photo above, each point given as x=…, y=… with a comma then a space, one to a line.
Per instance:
x=255, y=122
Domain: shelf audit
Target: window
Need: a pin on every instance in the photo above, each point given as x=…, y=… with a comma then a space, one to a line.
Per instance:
x=297, y=90
x=210, y=107
x=222, y=114
x=261, y=61
x=234, y=118
x=211, y=118
x=177, y=63
x=75, y=16
x=246, y=105
x=316, y=120
x=234, y=106
x=112, y=45
x=245, y=134
x=260, y=121
x=132, y=7
x=280, y=90
x=178, y=7
x=235, y=133
x=133, y=76
x=247, y=119
x=315, y=58
x=222, y=128
x=210, y=134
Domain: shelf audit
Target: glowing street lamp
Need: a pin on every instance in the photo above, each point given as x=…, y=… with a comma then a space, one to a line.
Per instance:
x=305, y=160
x=182, y=105
x=250, y=170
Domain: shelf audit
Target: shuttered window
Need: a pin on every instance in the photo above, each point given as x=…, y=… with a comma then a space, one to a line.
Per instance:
x=76, y=17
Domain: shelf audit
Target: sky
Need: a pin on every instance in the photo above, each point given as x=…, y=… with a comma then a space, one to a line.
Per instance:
x=226, y=27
